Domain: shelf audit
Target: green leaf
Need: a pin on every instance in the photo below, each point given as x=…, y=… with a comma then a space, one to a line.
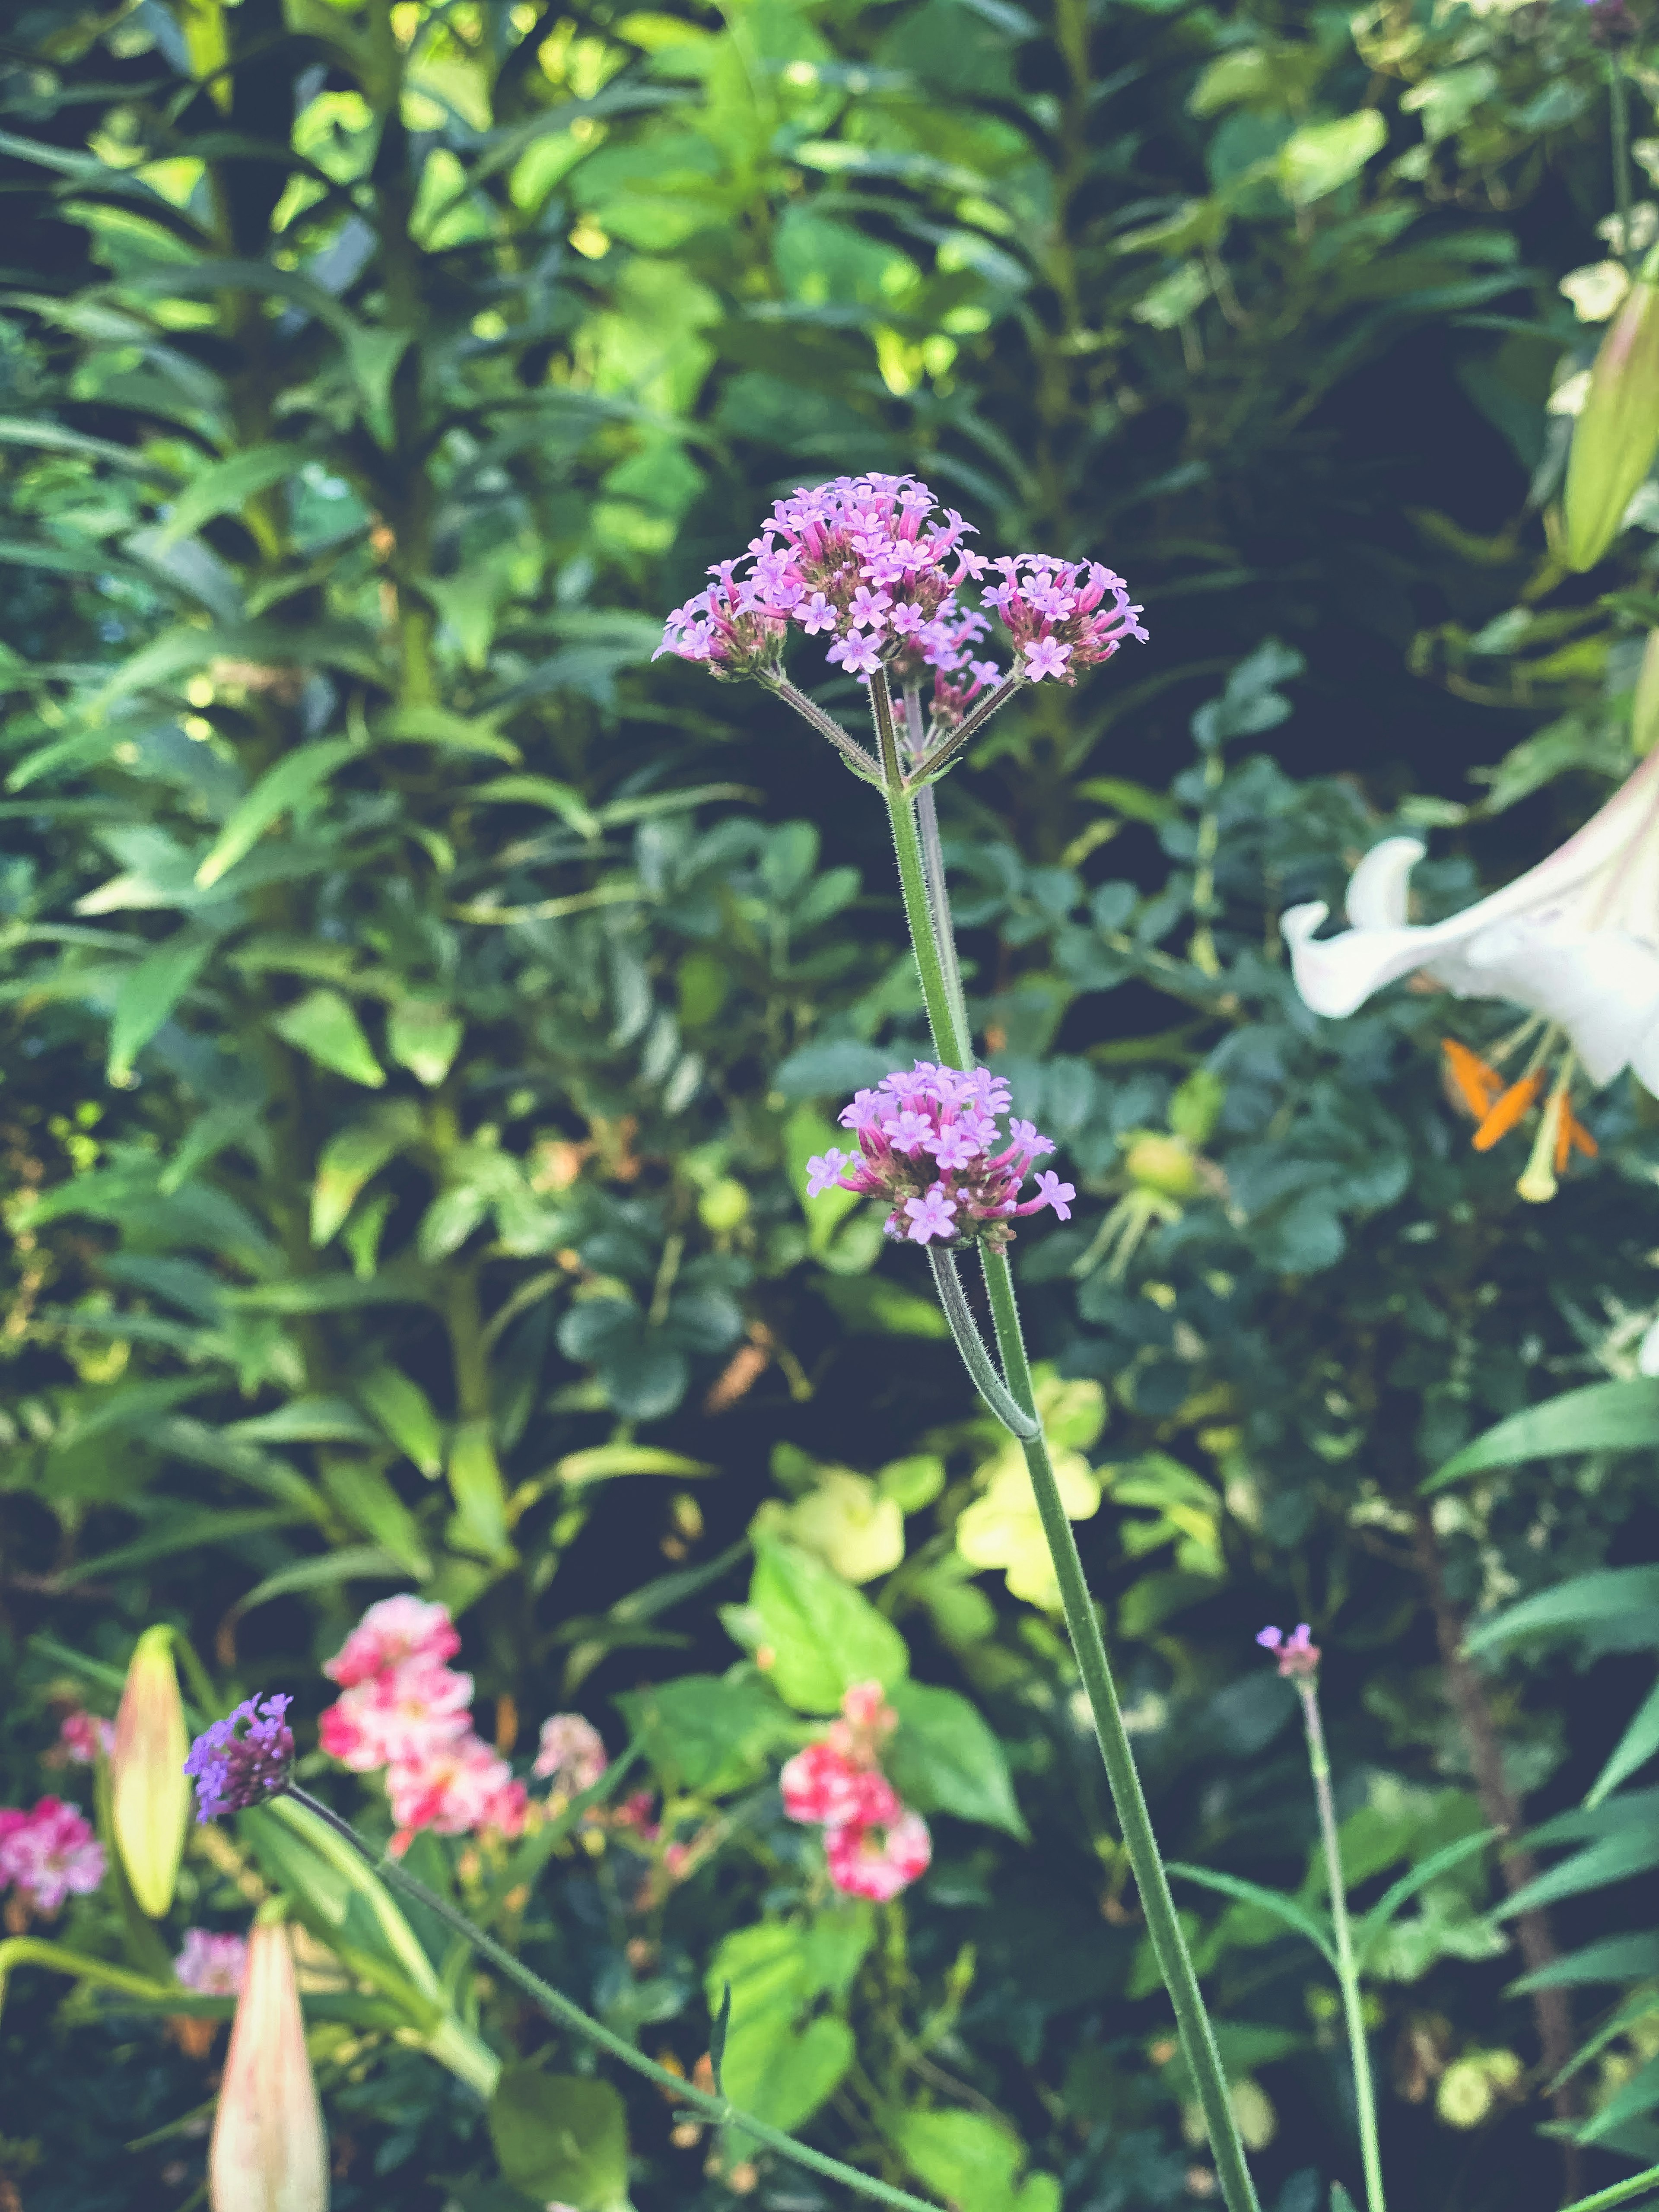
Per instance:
x=1615, y=1958
x=189, y=1531
x=598, y=1462
x=424, y=1036
x=1320, y=157
x=1603, y=1416
x=148, y=996
x=351, y=1159
x=226, y=487
x=823, y=1635
x=436, y=725
x=1633, y=1749
x=1583, y=1602
x=406, y=1413
x=1614, y=1859
x=1315, y=1927
x=363, y=1494
x=323, y=1026
x=279, y=791
x=347, y=1563
x=1371, y=1927
x=480, y=1495
x=561, y=2137
x=336, y=1293
x=560, y=798
x=967, y=2158
x=944, y=1759
x=706, y=1733
x=305, y=1421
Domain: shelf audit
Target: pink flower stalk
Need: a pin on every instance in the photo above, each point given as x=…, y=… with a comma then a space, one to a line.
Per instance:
x=231, y=1771
x=571, y=1753
x=49, y=1854
x=928, y=1142
x=397, y=1718
x=1056, y=613
x=82, y=1738
x=213, y=1966
x=634, y=1813
x=823, y=1785
x=878, y=1860
x=397, y=1629
x=1298, y=1654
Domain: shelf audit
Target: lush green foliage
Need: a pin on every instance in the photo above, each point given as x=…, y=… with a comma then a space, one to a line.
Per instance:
x=418, y=1011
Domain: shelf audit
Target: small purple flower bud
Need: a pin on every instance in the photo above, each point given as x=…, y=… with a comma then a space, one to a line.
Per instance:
x=1297, y=1654
x=231, y=1771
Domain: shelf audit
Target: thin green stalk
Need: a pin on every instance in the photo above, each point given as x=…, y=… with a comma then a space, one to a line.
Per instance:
x=1618, y=115
x=718, y=2110
x=1198, y=2043
x=1637, y=2184
x=1347, y=1973
x=933, y=865
x=970, y=1343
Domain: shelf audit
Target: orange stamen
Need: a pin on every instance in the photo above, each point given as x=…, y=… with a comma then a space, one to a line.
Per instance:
x=1476, y=1083
x=1506, y=1111
x=1572, y=1136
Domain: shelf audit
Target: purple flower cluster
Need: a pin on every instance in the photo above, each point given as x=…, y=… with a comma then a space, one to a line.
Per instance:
x=928, y=1142
x=232, y=1771
x=872, y=564
x=1057, y=614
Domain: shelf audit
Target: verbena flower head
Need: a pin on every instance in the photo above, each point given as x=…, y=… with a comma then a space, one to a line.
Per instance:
x=233, y=1771
x=213, y=1966
x=49, y=1854
x=1296, y=1653
x=1063, y=616
x=868, y=564
x=929, y=1144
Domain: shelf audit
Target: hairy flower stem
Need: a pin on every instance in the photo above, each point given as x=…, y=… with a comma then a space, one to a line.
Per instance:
x=952, y=1044
x=975, y=1356
x=719, y=2111
x=932, y=863
x=1347, y=1973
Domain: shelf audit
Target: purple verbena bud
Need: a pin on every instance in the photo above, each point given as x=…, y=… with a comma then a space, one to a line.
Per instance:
x=1298, y=1654
x=231, y=1771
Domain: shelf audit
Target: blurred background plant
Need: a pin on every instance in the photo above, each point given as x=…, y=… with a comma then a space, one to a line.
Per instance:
x=418, y=1012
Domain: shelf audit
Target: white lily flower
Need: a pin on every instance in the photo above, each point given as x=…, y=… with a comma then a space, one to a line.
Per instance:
x=1576, y=939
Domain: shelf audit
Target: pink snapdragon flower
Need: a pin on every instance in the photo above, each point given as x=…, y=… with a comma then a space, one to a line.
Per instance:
x=49, y=1854
x=878, y=1860
x=397, y=1629
x=395, y=1719
x=1296, y=1653
x=571, y=1753
x=1057, y=615
x=928, y=1142
x=213, y=1966
x=456, y=1787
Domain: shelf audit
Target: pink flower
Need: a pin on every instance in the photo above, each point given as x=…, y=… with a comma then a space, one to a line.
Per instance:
x=572, y=1753
x=928, y=1145
x=634, y=1813
x=49, y=1854
x=396, y=1630
x=396, y=1718
x=1046, y=657
x=1054, y=612
x=81, y=1738
x=1297, y=1654
x=879, y=1860
x=459, y=1785
x=824, y=1785
x=213, y=1966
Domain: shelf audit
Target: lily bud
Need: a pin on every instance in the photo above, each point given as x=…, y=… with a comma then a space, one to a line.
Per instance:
x=268, y=2152
x=1644, y=708
x=1616, y=432
x=149, y=1790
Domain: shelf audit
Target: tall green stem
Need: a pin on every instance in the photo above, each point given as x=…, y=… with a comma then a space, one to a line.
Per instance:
x=1346, y=1971
x=951, y=1042
x=1619, y=116
x=718, y=2110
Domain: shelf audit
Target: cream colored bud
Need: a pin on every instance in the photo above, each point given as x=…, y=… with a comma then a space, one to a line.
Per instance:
x=149, y=1790
x=268, y=2152
x=1616, y=432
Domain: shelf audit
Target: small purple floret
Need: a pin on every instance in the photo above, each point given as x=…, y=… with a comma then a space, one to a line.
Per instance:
x=231, y=1771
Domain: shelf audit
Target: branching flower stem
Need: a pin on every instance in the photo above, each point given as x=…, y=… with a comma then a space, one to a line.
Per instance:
x=1347, y=1973
x=719, y=2111
x=953, y=1044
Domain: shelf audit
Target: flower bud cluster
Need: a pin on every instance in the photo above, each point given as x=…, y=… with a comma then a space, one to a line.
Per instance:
x=1056, y=613
x=928, y=1142
x=874, y=1844
x=232, y=1771
x=404, y=1710
x=1297, y=1654
x=47, y=1855
x=213, y=1966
